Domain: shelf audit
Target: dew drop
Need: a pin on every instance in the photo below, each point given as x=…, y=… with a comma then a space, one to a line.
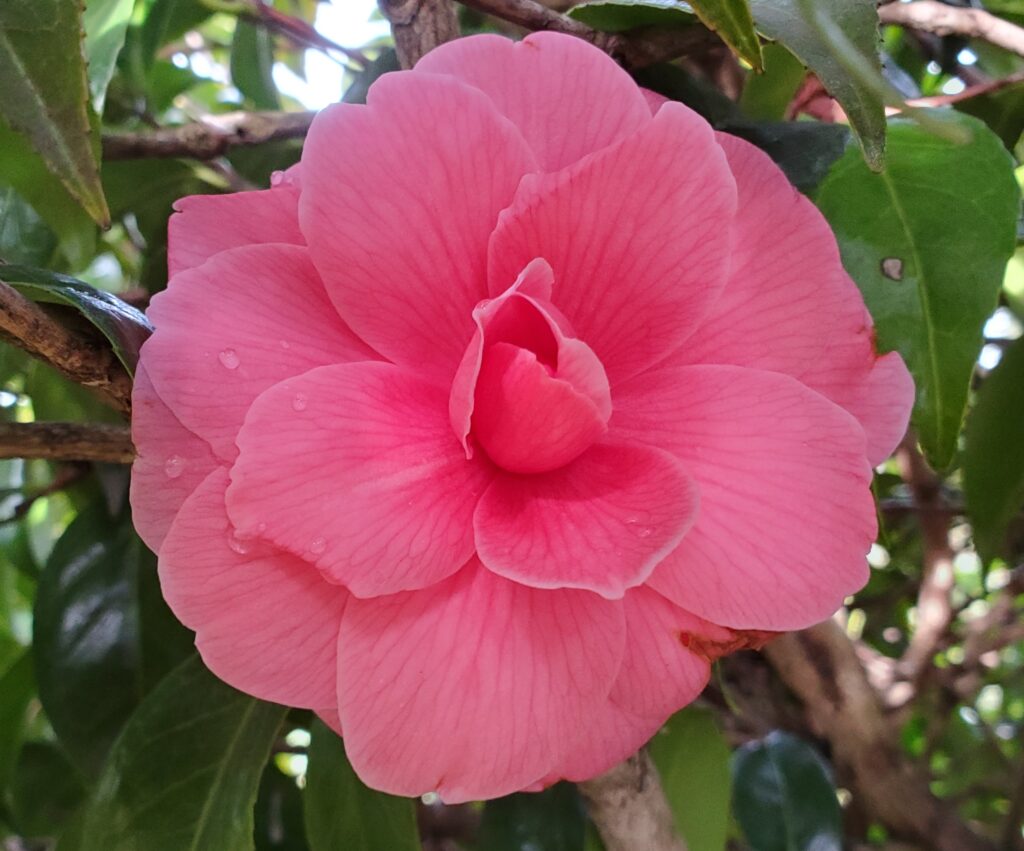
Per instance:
x=174, y=466
x=229, y=359
x=299, y=402
x=644, y=532
x=276, y=178
x=239, y=545
x=317, y=546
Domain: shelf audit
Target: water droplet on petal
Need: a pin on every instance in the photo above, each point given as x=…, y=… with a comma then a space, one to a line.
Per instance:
x=299, y=402
x=174, y=466
x=644, y=532
x=317, y=546
x=239, y=545
x=229, y=359
x=276, y=178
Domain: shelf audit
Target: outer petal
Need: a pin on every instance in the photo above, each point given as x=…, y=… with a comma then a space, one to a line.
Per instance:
x=601, y=523
x=265, y=621
x=659, y=673
x=170, y=463
x=355, y=468
x=228, y=330
x=566, y=97
x=790, y=307
x=204, y=225
x=650, y=242
x=786, y=513
x=502, y=674
x=407, y=190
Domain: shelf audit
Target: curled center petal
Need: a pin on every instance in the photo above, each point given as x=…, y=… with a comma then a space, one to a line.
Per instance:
x=529, y=394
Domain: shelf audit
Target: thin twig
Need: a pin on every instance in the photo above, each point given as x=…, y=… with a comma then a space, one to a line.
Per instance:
x=970, y=92
x=67, y=442
x=80, y=355
x=209, y=138
x=419, y=26
x=299, y=31
x=628, y=807
x=940, y=19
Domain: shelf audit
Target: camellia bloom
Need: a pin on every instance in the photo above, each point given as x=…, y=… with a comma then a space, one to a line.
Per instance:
x=520, y=398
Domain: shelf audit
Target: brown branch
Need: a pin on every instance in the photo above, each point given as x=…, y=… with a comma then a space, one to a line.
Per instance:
x=970, y=92
x=419, y=26
x=67, y=442
x=82, y=356
x=821, y=666
x=938, y=18
x=629, y=808
x=209, y=138
x=635, y=49
x=298, y=31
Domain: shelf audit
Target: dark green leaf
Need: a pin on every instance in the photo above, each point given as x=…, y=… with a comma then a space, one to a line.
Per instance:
x=785, y=21
x=184, y=774
x=125, y=327
x=1002, y=111
x=732, y=20
x=784, y=798
x=766, y=96
x=693, y=761
x=46, y=790
x=927, y=241
x=994, y=453
x=24, y=236
x=278, y=814
x=105, y=22
x=46, y=100
x=804, y=150
x=341, y=812
x=252, y=64
x=385, y=62
x=621, y=15
x=552, y=820
x=17, y=688
x=697, y=93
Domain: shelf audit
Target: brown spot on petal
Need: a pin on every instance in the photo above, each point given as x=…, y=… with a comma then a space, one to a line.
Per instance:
x=892, y=268
x=732, y=641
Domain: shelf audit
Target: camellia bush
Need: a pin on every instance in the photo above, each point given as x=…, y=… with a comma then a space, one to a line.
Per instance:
x=599, y=426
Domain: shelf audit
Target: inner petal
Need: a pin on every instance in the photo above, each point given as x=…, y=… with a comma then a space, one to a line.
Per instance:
x=527, y=392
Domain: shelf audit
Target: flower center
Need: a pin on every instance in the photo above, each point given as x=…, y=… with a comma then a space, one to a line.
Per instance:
x=532, y=396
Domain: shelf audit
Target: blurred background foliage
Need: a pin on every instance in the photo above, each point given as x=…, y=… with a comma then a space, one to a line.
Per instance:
x=908, y=137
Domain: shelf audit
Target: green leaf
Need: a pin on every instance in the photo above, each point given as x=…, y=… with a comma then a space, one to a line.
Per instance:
x=784, y=21
x=766, y=96
x=693, y=761
x=125, y=327
x=804, y=150
x=167, y=20
x=994, y=453
x=732, y=20
x=552, y=820
x=278, y=813
x=927, y=241
x=784, y=796
x=87, y=633
x=621, y=15
x=17, y=688
x=46, y=790
x=45, y=93
x=106, y=23
x=252, y=64
x=184, y=774
x=24, y=236
x=341, y=812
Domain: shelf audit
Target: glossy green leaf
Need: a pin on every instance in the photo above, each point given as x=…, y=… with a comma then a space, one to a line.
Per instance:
x=766, y=96
x=17, y=688
x=46, y=100
x=46, y=790
x=278, y=813
x=105, y=22
x=784, y=798
x=341, y=812
x=693, y=761
x=24, y=236
x=552, y=820
x=927, y=241
x=252, y=64
x=733, y=22
x=784, y=21
x=621, y=15
x=994, y=453
x=125, y=327
x=86, y=635
x=184, y=774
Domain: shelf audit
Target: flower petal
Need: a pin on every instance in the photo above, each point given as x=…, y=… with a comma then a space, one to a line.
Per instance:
x=659, y=673
x=500, y=673
x=601, y=523
x=355, y=468
x=204, y=225
x=265, y=621
x=408, y=189
x=786, y=513
x=170, y=462
x=567, y=98
x=228, y=330
x=787, y=277
x=608, y=735
x=642, y=267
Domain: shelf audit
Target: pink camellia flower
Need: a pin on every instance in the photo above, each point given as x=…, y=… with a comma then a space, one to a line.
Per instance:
x=523, y=396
